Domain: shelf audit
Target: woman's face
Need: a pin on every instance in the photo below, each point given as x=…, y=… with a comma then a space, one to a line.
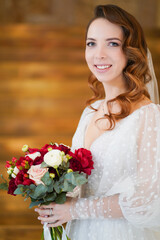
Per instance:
x=104, y=54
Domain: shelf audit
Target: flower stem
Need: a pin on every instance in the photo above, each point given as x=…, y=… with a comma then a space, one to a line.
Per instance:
x=42, y=236
x=53, y=236
x=57, y=172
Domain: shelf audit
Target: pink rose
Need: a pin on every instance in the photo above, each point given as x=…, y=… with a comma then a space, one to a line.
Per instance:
x=36, y=173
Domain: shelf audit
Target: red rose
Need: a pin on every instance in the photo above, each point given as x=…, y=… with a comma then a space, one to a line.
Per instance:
x=22, y=178
x=20, y=162
x=24, y=162
x=29, y=161
x=28, y=181
x=12, y=187
x=64, y=148
x=33, y=150
x=82, y=160
x=19, y=178
x=60, y=147
x=44, y=149
x=75, y=165
x=38, y=160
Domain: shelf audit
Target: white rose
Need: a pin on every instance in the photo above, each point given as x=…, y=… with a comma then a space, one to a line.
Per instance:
x=34, y=155
x=15, y=172
x=53, y=158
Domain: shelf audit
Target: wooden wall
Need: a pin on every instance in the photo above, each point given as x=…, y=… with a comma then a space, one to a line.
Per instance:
x=43, y=89
x=73, y=12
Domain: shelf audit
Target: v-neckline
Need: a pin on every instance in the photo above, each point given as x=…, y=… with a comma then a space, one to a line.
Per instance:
x=117, y=124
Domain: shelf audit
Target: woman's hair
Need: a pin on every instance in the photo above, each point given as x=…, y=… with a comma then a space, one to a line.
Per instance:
x=136, y=72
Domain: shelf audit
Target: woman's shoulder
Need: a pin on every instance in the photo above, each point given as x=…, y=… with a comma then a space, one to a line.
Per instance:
x=148, y=115
x=145, y=106
x=151, y=110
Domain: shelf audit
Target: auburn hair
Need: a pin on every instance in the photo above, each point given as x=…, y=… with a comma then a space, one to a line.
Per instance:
x=136, y=73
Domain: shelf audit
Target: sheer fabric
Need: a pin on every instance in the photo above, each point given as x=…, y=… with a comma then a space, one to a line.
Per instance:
x=122, y=197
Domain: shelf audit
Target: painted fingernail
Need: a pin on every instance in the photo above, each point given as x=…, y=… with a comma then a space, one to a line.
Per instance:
x=36, y=210
x=39, y=218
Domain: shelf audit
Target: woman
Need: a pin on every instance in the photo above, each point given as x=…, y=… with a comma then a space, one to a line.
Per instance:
x=122, y=197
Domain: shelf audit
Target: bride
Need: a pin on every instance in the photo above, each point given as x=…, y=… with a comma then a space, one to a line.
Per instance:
x=121, y=127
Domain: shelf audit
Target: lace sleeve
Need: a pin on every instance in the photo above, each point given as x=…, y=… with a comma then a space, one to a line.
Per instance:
x=96, y=207
x=142, y=208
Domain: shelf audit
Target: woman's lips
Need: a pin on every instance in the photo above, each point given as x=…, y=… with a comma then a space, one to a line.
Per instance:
x=103, y=67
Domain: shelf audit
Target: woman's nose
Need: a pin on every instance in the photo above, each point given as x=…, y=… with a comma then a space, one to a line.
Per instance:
x=100, y=52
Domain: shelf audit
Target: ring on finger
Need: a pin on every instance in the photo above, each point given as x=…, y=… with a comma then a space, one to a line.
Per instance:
x=51, y=211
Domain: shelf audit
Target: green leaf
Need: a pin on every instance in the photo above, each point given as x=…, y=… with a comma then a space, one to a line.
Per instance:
x=80, y=180
x=4, y=186
x=18, y=191
x=57, y=187
x=68, y=187
x=50, y=197
x=69, y=177
x=61, y=198
x=75, y=178
x=40, y=192
x=46, y=179
x=26, y=198
x=50, y=187
x=3, y=178
x=43, y=165
x=33, y=204
x=32, y=186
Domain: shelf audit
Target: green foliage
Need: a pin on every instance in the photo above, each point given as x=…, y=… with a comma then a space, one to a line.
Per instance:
x=61, y=198
x=36, y=203
x=44, y=165
x=39, y=192
x=46, y=179
x=4, y=185
x=32, y=187
x=67, y=186
x=50, y=187
x=18, y=191
x=75, y=178
x=58, y=185
x=50, y=197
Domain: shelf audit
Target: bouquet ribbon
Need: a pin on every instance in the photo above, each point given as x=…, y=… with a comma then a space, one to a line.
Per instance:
x=46, y=231
x=47, y=234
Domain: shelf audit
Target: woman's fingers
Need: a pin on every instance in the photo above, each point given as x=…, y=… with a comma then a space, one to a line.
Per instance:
x=56, y=224
x=48, y=219
x=45, y=211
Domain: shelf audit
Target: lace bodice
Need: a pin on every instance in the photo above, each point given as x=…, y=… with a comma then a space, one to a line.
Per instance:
x=125, y=182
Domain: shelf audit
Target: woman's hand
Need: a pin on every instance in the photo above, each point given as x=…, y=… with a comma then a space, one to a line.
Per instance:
x=55, y=214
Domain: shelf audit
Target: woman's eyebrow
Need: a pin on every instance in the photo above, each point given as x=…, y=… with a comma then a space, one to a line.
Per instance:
x=110, y=39
x=92, y=39
x=107, y=39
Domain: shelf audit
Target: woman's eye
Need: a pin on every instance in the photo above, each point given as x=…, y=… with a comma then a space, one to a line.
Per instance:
x=113, y=44
x=90, y=44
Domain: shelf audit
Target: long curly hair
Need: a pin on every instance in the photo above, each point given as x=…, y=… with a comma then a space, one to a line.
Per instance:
x=136, y=72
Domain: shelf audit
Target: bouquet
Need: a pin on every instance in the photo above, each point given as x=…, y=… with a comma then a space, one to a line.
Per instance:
x=46, y=175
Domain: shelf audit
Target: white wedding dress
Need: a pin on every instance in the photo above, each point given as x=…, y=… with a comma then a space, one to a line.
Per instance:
x=126, y=175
